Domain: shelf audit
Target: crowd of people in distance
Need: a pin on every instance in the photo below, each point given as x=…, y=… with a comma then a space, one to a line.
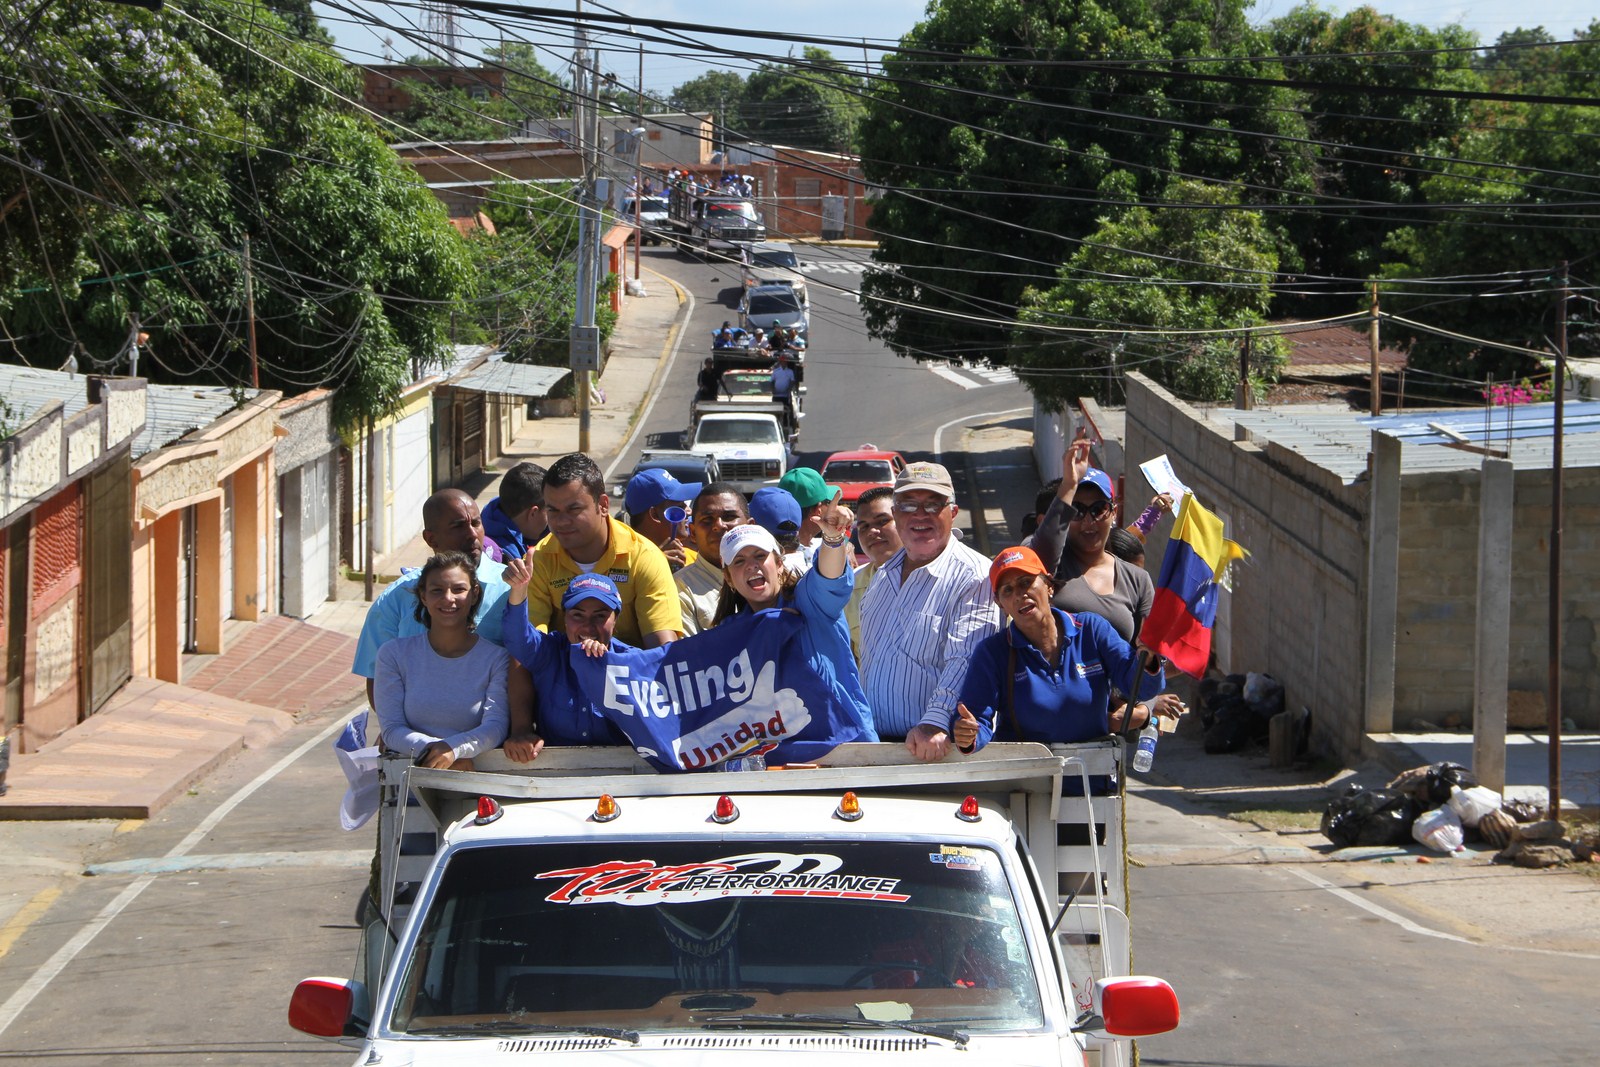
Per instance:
x=473, y=651
x=778, y=339
x=728, y=183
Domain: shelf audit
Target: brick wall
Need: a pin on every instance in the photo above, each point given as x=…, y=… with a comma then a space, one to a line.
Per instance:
x=1296, y=610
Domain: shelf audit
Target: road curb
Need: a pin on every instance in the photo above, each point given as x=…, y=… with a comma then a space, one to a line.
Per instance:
x=669, y=349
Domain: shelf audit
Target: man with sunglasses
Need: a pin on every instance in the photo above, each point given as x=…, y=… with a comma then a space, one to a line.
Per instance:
x=927, y=610
x=658, y=510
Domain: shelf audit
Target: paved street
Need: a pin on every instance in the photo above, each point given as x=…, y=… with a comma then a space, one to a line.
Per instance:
x=178, y=940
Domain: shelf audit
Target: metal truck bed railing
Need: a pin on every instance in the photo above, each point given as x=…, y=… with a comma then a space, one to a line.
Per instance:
x=1076, y=841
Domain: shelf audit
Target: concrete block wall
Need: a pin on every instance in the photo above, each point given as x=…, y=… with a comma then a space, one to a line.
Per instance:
x=1296, y=607
x=1438, y=576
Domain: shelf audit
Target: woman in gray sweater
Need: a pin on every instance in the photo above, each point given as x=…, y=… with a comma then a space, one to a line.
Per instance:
x=441, y=695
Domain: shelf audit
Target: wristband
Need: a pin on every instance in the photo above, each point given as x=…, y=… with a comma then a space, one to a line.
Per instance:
x=835, y=543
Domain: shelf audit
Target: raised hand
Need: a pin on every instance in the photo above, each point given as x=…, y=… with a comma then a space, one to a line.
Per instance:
x=965, y=729
x=835, y=519
x=517, y=574
x=1075, y=464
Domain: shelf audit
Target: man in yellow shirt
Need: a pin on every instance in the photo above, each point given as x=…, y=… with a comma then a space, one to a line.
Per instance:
x=585, y=539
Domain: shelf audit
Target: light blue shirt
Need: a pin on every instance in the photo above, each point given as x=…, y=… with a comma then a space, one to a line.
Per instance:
x=394, y=614
x=917, y=636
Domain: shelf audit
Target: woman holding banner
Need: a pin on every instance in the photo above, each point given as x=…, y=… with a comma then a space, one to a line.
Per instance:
x=754, y=579
x=589, y=610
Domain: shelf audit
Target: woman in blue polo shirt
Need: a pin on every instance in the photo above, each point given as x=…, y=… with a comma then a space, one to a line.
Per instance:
x=1047, y=676
x=589, y=610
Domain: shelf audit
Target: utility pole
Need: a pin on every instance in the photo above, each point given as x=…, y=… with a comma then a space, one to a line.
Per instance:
x=585, y=342
x=1372, y=344
x=1553, y=695
x=638, y=174
x=250, y=315
x=133, y=349
x=1246, y=397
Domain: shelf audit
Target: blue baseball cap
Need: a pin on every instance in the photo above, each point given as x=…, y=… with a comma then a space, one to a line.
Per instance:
x=655, y=486
x=591, y=587
x=776, y=510
x=1100, y=480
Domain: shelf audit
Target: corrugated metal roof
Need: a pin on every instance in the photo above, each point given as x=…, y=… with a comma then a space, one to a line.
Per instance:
x=516, y=379
x=1338, y=441
x=171, y=411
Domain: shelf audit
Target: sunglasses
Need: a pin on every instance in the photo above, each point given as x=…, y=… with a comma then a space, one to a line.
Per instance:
x=1094, y=512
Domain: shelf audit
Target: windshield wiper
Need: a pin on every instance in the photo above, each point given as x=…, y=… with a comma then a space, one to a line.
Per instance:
x=802, y=1020
x=510, y=1026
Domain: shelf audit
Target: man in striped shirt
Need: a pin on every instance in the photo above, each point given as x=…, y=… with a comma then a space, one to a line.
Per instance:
x=927, y=609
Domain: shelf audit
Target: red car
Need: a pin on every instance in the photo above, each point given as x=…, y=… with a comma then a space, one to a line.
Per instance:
x=861, y=469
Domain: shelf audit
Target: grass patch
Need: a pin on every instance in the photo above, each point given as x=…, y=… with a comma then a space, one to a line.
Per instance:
x=1286, y=819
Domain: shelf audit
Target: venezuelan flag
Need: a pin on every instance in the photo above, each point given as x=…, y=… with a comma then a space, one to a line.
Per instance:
x=1185, y=607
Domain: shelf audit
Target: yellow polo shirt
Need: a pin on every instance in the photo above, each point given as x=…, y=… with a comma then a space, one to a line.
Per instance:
x=642, y=574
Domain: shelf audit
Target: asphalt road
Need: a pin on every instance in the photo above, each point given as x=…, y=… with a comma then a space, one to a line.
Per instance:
x=857, y=390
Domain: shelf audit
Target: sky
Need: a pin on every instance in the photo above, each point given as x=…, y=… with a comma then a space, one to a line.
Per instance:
x=879, y=21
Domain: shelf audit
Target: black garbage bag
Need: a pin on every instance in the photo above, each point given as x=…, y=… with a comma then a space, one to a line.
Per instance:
x=1234, y=727
x=1442, y=777
x=1369, y=817
x=1264, y=694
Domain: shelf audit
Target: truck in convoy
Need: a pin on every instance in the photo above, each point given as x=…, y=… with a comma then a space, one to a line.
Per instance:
x=773, y=263
x=751, y=440
x=651, y=215
x=585, y=909
x=712, y=223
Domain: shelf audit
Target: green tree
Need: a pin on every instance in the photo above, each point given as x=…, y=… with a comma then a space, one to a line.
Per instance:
x=98, y=105
x=994, y=171
x=716, y=91
x=525, y=299
x=815, y=102
x=1532, y=217
x=1146, y=271
x=1376, y=140
x=356, y=268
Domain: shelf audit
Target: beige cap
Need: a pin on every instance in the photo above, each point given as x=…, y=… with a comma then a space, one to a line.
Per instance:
x=930, y=476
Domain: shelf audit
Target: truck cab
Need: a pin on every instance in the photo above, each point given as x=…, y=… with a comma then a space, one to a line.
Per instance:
x=652, y=216
x=589, y=910
x=751, y=442
x=773, y=263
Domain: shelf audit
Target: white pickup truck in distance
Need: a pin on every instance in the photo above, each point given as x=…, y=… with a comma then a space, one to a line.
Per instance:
x=750, y=447
x=587, y=910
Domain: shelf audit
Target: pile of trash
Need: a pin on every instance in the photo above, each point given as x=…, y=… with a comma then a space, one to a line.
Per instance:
x=1236, y=710
x=1441, y=806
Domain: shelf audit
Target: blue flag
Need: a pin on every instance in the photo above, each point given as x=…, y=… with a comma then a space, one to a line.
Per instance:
x=743, y=687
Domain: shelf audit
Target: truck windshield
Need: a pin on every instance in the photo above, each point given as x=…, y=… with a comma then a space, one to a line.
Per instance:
x=776, y=259
x=652, y=206
x=670, y=934
x=742, y=210
x=737, y=431
x=778, y=301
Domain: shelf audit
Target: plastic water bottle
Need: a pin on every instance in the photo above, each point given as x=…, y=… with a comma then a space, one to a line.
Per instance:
x=1146, y=753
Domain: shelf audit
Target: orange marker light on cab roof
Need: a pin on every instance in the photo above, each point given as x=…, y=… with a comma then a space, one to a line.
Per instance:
x=849, y=808
x=968, y=812
x=725, y=811
x=488, y=811
x=606, y=809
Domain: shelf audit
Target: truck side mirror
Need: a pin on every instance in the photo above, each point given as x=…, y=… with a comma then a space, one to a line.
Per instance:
x=325, y=1007
x=1135, y=1006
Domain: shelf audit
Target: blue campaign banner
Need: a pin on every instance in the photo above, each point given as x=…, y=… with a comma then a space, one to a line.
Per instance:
x=745, y=686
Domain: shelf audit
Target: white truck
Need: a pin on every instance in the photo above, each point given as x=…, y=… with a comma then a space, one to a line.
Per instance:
x=588, y=910
x=751, y=443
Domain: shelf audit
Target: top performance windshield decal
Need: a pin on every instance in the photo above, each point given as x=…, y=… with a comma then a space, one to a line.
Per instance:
x=637, y=883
